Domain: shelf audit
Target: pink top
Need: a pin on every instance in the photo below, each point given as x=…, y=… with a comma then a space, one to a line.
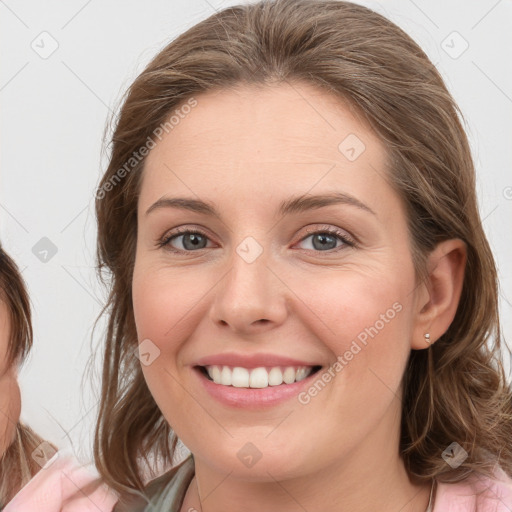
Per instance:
x=475, y=494
x=60, y=486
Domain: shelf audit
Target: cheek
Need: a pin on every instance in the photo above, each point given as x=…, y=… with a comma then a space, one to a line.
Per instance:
x=167, y=311
x=364, y=318
x=352, y=304
x=168, y=306
x=162, y=302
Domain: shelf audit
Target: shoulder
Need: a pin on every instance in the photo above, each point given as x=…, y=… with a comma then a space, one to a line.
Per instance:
x=476, y=493
x=63, y=484
x=164, y=492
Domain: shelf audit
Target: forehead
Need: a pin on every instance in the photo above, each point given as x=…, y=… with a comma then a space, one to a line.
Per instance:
x=286, y=136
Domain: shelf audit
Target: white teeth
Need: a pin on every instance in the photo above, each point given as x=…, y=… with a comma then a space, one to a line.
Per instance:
x=215, y=374
x=289, y=375
x=261, y=377
x=301, y=374
x=225, y=376
x=239, y=377
x=275, y=377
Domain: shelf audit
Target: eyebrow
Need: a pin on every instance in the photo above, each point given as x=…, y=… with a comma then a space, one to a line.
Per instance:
x=297, y=204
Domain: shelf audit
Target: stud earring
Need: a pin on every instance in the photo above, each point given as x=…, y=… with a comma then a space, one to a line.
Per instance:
x=427, y=337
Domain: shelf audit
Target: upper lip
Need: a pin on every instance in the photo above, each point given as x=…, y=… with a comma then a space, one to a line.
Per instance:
x=251, y=360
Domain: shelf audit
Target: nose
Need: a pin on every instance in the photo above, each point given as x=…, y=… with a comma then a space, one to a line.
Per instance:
x=251, y=297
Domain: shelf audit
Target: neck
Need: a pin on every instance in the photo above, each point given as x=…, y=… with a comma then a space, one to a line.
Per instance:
x=382, y=487
x=368, y=476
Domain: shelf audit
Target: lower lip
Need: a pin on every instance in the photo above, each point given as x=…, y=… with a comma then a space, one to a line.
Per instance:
x=255, y=398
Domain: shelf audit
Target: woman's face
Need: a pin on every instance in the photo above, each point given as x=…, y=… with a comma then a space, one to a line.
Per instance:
x=10, y=402
x=274, y=283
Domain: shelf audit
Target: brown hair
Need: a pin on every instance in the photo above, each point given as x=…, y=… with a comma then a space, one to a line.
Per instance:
x=17, y=466
x=456, y=390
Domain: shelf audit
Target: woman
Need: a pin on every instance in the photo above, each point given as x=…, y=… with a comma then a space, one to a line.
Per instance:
x=300, y=286
x=33, y=475
x=17, y=441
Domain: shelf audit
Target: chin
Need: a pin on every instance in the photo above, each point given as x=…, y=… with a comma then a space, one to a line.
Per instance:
x=258, y=461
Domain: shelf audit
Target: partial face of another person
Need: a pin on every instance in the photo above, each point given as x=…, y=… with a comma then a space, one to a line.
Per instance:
x=10, y=401
x=262, y=282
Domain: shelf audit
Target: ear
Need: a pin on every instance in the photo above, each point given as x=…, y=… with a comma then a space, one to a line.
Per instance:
x=437, y=297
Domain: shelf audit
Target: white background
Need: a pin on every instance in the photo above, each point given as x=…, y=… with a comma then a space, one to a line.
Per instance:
x=54, y=112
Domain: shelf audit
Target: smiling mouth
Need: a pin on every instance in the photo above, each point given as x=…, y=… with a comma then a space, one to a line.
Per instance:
x=261, y=377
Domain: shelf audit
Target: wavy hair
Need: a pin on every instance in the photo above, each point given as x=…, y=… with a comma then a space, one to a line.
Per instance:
x=17, y=466
x=456, y=390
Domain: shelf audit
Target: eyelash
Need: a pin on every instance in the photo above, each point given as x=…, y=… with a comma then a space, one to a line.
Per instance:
x=341, y=235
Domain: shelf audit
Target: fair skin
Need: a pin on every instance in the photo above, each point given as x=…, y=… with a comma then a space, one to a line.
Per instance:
x=10, y=400
x=245, y=151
